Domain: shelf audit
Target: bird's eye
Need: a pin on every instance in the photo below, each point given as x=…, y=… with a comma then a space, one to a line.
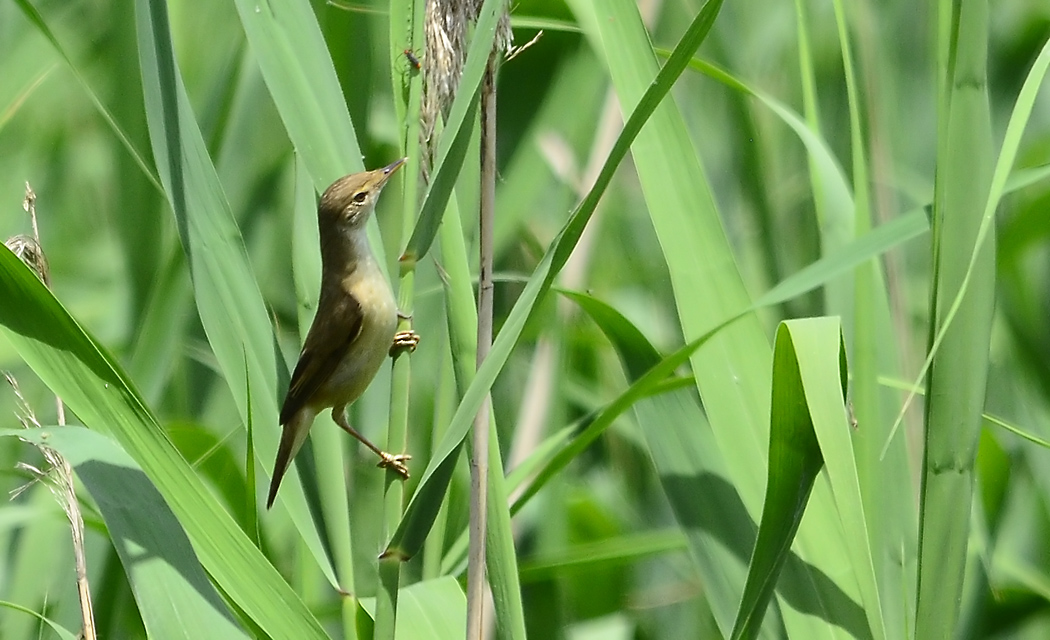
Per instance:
x=360, y=197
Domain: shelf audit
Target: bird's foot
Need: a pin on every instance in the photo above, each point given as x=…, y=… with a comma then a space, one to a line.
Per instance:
x=404, y=341
x=395, y=463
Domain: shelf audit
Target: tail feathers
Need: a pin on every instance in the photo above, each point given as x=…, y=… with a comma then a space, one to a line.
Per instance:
x=292, y=438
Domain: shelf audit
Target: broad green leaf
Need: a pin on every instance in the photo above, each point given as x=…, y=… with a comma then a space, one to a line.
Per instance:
x=808, y=426
x=290, y=49
x=429, y=609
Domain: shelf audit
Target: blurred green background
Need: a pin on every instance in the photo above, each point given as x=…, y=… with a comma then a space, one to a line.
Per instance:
x=601, y=549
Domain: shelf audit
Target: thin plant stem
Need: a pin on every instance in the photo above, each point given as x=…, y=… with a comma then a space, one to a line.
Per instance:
x=31, y=251
x=479, y=466
x=407, y=82
x=956, y=383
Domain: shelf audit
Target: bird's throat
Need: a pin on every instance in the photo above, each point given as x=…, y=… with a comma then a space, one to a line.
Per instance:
x=344, y=251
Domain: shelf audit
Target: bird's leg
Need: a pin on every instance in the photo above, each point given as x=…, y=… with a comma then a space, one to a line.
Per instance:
x=404, y=340
x=389, y=461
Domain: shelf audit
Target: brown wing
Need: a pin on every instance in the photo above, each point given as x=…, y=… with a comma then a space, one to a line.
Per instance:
x=326, y=343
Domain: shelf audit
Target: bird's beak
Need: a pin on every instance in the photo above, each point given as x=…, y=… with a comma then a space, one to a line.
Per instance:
x=391, y=168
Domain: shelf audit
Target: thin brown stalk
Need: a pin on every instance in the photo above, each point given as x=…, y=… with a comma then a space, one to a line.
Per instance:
x=59, y=477
x=479, y=467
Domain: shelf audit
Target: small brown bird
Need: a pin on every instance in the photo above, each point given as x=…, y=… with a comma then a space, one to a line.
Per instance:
x=354, y=326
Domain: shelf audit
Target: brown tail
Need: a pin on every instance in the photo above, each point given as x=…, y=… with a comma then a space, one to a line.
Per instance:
x=292, y=437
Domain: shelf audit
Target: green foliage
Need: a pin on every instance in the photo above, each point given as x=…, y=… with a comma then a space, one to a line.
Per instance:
x=673, y=469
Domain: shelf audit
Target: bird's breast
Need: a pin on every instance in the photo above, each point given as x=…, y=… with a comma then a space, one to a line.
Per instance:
x=366, y=353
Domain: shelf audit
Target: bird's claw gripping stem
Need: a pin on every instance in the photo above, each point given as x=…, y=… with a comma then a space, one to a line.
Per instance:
x=396, y=463
x=404, y=341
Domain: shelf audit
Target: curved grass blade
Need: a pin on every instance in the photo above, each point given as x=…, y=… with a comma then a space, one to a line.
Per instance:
x=644, y=367
x=74, y=366
x=794, y=461
x=60, y=631
x=809, y=429
x=836, y=190
x=171, y=589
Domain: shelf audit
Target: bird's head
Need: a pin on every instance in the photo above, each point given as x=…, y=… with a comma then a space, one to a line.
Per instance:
x=351, y=199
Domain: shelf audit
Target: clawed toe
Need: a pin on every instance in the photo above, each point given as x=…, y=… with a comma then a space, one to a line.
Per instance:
x=404, y=341
x=396, y=463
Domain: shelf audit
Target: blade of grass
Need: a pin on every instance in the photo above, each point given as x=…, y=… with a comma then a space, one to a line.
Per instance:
x=794, y=461
x=11, y=109
x=501, y=559
x=59, y=630
x=833, y=192
x=809, y=428
x=883, y=480
x=1001, y=181
x=623, y=550
x=288, y=44
x=406, y=29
